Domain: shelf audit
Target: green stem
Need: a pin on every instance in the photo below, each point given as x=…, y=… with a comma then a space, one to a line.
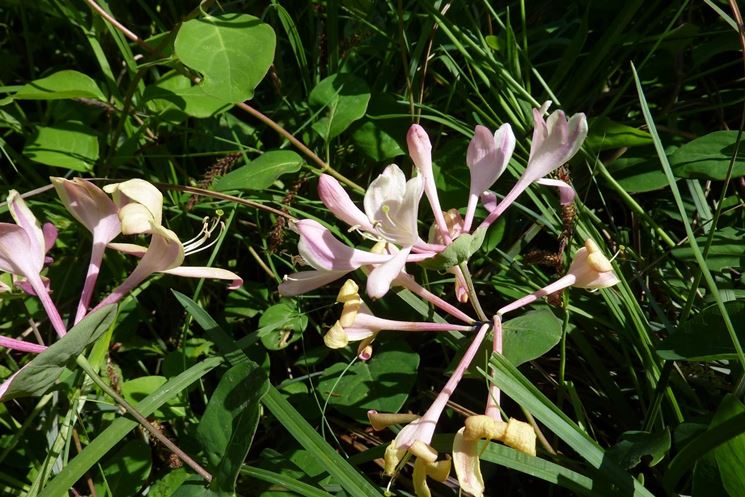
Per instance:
x=472, y=292
x=86, y=366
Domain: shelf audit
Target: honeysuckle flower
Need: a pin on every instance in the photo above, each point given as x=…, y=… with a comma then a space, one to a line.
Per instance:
x=566, y=192
x=23, y=248
x=555, y=141
x=487, y=158
x=97, y=212
x=357, y=323
x=466, y=450
x=139, y=204
x=420, y=150
x=331, y=259
x=165, y=254
x=590, y=269
x=392, y=205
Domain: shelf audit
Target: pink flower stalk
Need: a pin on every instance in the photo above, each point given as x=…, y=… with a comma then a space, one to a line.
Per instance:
x=487, y=158
x=23, y=249
x=555, y=141
x=96, y=211
x=494, y=396
x=590, y=269
x=420, y=150
x=21, y=346
x=418, y=434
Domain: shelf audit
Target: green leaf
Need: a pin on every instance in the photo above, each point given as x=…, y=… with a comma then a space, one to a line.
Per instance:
x=107, y=439
x=285, y=481
x=727, y=249
x=457, y=252
x=638, y=171
x=706, y=480
x=730, y=456
x=174, y=99
x=382, y=135
x=704, y=337
x=605, y=134
x=137, y=389
x=167, y=485
x=60, y=85
x=708, y=157
x=376, y=142
x=261, y=172
x=531, y=335
x=383, y=383
x=127, y=470
x=233, y=53
x=281, y=325
x=71, y=145
x=44, y=370
x=227, y=427
x=634, y=445
x=342, y=99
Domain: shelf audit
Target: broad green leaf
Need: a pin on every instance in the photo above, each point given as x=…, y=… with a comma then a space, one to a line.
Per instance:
x=708, y=157
x=167, y=485
x=233, y=53
x=281, y=325
x=106, y=440
x=457, y=252
x=227, y=427
x=634, y=445
x=706, y=480
x=704, y=337
x=382, y=134
x=70, y=145
x=137, y=389
x=605, y=134
x=174, y=99
x=127, y=470
x=531, y=335
x=730, y=456
x=44, y=370
x=727, y=249
x=382, y=383
x=261, y=172
x=341, y=99
x=638, y=171
x=60, y=85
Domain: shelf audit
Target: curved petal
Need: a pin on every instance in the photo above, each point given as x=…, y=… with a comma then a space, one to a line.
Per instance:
x=19, y=255
x=139, y=192
x=379, y=280
x=467, y=464
x=323, y=251
x=26, y=220
x=488, y=155
x=215, y=273
x=90, y=206
x=566, y=192
x=305, y=281
x=337, y=200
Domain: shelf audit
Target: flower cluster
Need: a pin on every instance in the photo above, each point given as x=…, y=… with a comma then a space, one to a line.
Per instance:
x=390, y=219
x=133, y=207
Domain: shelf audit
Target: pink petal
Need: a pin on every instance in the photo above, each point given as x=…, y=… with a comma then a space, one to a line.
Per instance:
x=26, y=220
x=566, y=192
x=207, y=272
x=90, y=206
x=323, y=251
x=379, y=280
x=19, y=254
x=50, y=236
x=305, y=281
x=337, y=200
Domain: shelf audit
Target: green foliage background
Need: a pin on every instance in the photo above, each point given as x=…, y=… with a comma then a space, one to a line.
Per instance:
x=638, y=389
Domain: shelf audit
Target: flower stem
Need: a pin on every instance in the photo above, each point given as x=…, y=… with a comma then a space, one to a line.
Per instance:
x=49, y=307
x=493, y=399
x=410, y=284
x=90, y=280
x=21, y=345
x=86, y=366
x=472, y=296
x=563, y=282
